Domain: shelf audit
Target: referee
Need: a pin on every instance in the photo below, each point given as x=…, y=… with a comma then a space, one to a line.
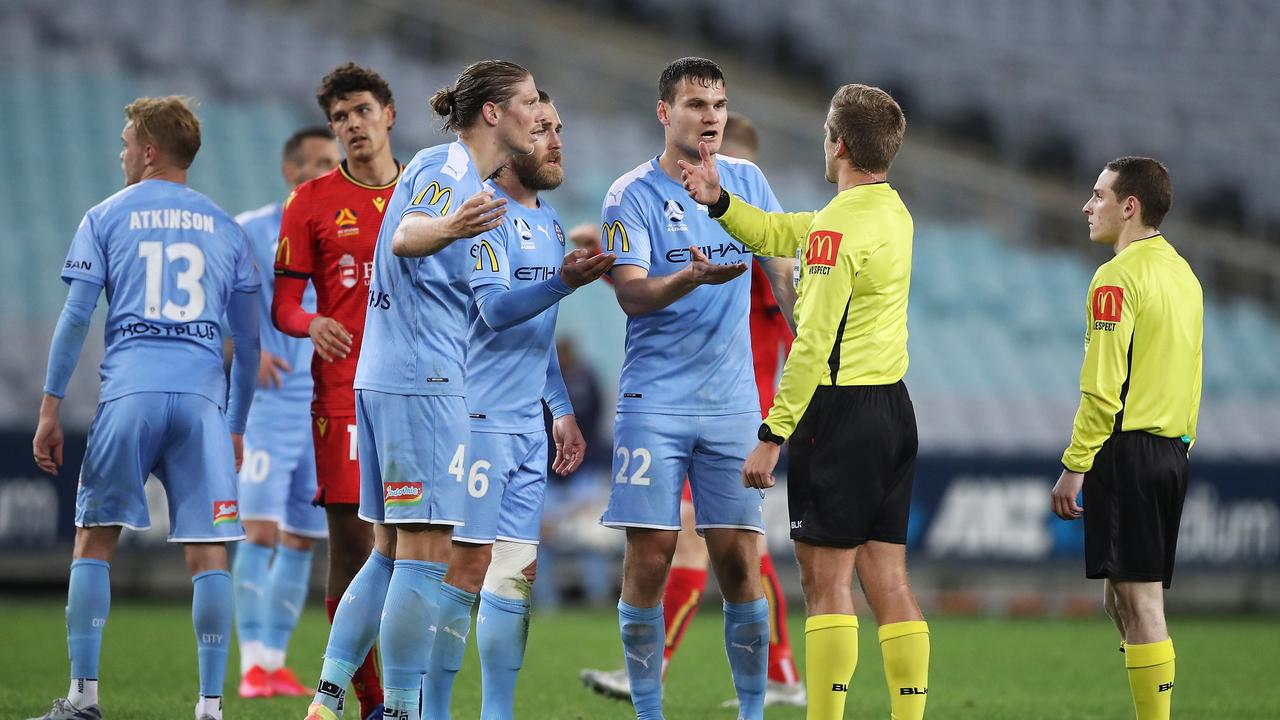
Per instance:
x=842, y=402
x=1139, y=399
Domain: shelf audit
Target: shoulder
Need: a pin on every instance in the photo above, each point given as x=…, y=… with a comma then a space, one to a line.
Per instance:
x=449, y=159
x=262, y=216
x=628, y=186
x=738, y=167
x=1114, y=271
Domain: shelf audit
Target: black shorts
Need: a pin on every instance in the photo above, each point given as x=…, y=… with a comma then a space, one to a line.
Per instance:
x=1132, y=507
x=853, y=457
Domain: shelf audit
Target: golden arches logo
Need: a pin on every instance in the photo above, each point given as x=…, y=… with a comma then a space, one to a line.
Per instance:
x=613, y=232
x=1108, y=303
x=824, y=246
x=283, y=252
x=483, y=250
x=438, y=194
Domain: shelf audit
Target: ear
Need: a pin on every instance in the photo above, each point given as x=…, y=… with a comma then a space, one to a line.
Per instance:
x=289, y=171
x=1131, y=208
x=664, y=116
x=390, y=110
x=150, y=155
x=841, y=151
x=490, y=113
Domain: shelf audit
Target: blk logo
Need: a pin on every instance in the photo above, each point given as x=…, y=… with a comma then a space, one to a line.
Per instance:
x=913, y=691
x=1166, y=687
x=839, y=687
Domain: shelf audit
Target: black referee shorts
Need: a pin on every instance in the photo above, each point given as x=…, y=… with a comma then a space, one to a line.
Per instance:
x=853, y=457
x=1132, y=507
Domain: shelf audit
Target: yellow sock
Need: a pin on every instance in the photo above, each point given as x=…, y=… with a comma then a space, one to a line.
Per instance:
x=1150, y=668
x=831, y=655
x=905, y=648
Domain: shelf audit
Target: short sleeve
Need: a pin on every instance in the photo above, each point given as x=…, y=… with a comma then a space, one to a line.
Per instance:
x=86, y=258
x=624, y=231
x=246, y=280
x=431, y=192
x=489, y=256
x=295, y=253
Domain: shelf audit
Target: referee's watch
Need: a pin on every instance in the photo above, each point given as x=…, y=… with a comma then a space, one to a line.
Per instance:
x=766, y=435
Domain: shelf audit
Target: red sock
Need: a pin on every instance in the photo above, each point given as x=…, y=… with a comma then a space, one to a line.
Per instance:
x=679, y=604
x=367, y=681
x=782, y=668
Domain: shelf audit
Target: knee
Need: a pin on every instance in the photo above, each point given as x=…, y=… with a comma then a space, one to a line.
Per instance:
x=468, y=565
x=512, y=570
x=1109, y=606
x=205, y=557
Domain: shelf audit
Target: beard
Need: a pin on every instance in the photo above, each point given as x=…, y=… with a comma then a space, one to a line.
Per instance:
x=536, y=174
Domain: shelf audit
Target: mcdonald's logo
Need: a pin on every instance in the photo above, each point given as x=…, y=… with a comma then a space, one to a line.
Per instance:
x=439, y=194
x=282, y=251
x=824, y=246
x=345, y=217
x=615, y=230
x=482, y=250
x=1108, y=301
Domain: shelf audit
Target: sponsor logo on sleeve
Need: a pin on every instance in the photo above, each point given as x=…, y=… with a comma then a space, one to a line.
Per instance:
x=225, y=511
x=401, y=493
x=615, y=237
x=483, y=251
x=824, y=247
x=1108, y=302
x=433, y=195
x=559, y=234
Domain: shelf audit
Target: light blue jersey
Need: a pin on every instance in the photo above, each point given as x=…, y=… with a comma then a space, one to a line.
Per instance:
x=416, y=323
x=693, y=356
x=507, y=370
x=263, y=228
x=169, y=260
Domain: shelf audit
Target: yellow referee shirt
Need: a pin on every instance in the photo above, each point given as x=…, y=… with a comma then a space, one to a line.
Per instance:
x=851, y=305
x=1142, y=358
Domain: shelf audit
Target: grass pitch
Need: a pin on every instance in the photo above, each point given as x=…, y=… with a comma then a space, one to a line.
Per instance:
x=981, y=669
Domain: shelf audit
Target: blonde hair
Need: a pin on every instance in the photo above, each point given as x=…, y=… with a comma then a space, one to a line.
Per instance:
x=168, y=123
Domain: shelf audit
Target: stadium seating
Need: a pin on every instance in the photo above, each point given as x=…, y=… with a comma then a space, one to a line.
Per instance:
x=996, y=326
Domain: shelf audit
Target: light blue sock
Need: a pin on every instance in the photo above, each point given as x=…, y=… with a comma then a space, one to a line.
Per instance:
x=643, y=632
x=211, y=616
x=355, y=626
x=250, y=576
x=746, y=642
x=407, y=632
x=453, y=623
x=286, y=594
x=502, y=629
x=88, y=602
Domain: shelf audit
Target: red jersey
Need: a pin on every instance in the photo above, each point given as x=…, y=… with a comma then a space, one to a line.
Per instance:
x=327, y=235
x=770, y=335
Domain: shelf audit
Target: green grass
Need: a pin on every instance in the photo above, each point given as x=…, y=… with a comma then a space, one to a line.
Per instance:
x=981, y=669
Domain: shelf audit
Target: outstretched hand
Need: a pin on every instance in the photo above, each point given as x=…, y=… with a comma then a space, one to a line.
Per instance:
x=705, y=272
x=702, y=180
x=583, y=266
x=481, y=213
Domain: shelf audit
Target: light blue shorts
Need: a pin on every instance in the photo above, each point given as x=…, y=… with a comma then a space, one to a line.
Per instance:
x=506, y=488
x=652, y=455
x=183, y=439
x=412, y=457
x=278, y=477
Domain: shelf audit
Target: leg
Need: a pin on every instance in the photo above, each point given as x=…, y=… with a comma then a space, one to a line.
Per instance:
x=211, y=616
x=286, y=595
x=88, y=604
x=250, y=573
x=736, y=561
x=1148, y=650
x=350, y=553
x=831, y=632
x=1113, y=612
x=450, y=614
x=502, y=625
x=785, y=685
x=644, y=573
x=686, y=583
x=904, y=636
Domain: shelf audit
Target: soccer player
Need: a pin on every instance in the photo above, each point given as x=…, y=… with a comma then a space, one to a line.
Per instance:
x=327, y=236
x=1139, y=403
x=772, y=298
x=174, y=265
x=687, y=402
x=412, y=417
x=278, y=478
x=519, y=274
x=841, y=400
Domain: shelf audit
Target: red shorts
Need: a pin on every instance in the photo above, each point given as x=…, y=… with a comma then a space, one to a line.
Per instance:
x=687, y=494
x=337, y=465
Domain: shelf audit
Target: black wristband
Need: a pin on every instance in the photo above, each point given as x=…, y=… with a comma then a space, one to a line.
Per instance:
x=720, y=206
x=766, y=435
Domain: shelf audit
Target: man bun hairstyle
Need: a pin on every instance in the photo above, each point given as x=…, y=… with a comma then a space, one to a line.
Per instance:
x=871, y=124
x=487, y=81
x=350, y=78
x=169, y=124
x=1146, y=179
x=695, y=69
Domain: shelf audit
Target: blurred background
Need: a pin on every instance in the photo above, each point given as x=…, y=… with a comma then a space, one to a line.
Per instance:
x=1013, y=108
